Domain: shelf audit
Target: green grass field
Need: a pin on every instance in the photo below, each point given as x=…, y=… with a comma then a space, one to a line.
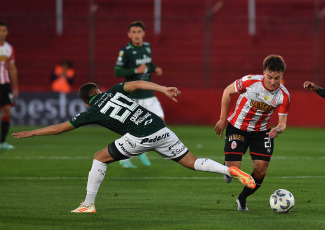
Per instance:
x=44, y=178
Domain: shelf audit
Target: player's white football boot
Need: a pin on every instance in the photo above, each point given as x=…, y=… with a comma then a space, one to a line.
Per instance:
x=241, y=204
x=85, y=209
x=243, y=177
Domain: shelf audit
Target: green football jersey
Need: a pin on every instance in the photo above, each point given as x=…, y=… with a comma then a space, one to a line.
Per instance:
x=131, y=57
x=115, y=111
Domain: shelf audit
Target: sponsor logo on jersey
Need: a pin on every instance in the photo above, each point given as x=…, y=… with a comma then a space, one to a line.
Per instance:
x=173, y=145
x=178, y=151
x=130, y=142
x=259, y=105
x=143, y=60
x=236, y=137
x=75, y=117
x=141, y=119
x=155, y=139
x=136, y=115
x=4, y=58
x=124, y=149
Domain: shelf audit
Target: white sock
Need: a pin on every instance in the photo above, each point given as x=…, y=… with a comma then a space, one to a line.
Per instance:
x=95, y=178
x=208, y=165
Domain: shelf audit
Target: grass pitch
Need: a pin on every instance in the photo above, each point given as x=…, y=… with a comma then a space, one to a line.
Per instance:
x=44, y=178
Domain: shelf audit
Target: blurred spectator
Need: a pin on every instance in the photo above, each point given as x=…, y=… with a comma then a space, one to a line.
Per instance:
x=62, y=77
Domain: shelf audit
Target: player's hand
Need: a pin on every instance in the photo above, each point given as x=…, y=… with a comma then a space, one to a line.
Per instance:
x=220, y=126
x=310, y=85
x=172, y=93
x=23, y=134
x=16, y=93
x=159, y=71
x=142, y=68
x=273, y=133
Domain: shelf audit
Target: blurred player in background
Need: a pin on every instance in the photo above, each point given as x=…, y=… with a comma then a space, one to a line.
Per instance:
x=249, y=120
x=141, y=131
x=315, y=88
x=8, y=78
x=135, y=63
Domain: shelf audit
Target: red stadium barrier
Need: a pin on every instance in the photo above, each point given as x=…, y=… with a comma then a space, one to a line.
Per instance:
x=202, y=106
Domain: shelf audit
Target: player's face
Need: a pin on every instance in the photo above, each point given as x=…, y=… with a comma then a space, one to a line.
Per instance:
x=136, y=35
x=3, y=33
x=272, y=79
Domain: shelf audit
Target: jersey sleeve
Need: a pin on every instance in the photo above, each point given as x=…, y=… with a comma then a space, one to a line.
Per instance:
x=244, y=82
x=121, y=63
x=12, y=56
x=81, y=119
x=284, y=107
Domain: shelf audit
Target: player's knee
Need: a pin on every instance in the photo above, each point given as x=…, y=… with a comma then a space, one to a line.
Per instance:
x=104, y=156
x=259, y=173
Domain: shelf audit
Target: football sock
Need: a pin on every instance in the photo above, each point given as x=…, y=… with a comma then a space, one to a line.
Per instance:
x=208, y=165
x=5, y=123
x=248, y=191
x=95, y=178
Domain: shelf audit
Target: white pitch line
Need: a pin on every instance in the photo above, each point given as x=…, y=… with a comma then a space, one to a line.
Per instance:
x=151, y=178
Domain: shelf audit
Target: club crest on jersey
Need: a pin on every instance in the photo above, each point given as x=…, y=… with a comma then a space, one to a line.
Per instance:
x=121, y=53
x=273, y=102
x=233, y=145
x=266, y=98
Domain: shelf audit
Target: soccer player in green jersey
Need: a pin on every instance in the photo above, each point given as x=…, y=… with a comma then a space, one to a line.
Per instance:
x=315, y=88
x=135, y=63
x=141, y=131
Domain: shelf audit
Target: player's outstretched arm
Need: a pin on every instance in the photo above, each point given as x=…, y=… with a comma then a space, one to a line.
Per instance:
x=171, y=92
x=49, y=130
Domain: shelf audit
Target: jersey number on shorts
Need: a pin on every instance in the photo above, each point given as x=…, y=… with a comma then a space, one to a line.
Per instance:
x=267, y=143
x=119, y=102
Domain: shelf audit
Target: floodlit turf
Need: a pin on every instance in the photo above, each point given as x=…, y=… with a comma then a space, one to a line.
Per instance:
x=44, y=178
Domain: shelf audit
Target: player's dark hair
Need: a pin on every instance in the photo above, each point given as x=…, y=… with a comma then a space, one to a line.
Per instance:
x=274, y=63
x=3, y=24
x=87, y=91
x=137, y=24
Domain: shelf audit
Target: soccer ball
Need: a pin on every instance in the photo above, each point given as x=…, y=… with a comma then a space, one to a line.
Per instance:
x=282, y=201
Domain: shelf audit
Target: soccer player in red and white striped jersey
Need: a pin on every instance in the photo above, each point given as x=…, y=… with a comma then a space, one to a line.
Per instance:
x=249, y=120
x=8, y=76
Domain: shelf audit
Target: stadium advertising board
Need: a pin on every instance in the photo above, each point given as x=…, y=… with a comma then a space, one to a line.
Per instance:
x=45, y=108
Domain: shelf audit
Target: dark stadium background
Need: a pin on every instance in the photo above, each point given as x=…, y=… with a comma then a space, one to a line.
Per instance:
x=203, y=46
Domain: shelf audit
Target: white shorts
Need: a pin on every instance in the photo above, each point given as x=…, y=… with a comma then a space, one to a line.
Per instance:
x=164, y=142
x=152, y=104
